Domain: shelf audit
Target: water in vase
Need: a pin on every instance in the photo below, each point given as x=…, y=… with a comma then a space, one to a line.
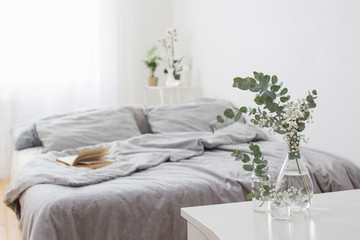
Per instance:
x=299, y=189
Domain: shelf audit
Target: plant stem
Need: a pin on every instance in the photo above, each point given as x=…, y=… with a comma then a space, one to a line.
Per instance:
x=172, y=52
x=263, y=202
x=304, y=179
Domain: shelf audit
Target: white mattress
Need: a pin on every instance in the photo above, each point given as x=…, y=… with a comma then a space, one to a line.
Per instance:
x=19, y=158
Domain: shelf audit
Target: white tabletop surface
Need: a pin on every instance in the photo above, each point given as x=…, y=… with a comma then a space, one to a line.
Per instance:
x=333, y=215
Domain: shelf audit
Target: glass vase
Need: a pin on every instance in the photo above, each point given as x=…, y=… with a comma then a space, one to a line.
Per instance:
x=294, y=179
x=259, y=180
x=280, y=209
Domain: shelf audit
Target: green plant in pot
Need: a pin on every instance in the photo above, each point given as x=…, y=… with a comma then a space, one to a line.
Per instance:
x=152, y=63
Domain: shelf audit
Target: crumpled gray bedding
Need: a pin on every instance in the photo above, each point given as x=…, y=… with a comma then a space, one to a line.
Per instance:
x=54, y=201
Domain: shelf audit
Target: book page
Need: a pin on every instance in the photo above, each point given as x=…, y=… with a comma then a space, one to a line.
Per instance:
x=69, y=160
x=90, y=155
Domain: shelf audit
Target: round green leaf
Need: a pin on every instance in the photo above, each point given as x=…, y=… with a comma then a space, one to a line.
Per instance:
x=283, y=99
x=248, y=167
x=257, y=160
x=243, y=109
x=260, y=166
x=275, y=88
x=284, y=91
x=250, y=196
x=220, y=119
x=246, y=158
x=229, y=113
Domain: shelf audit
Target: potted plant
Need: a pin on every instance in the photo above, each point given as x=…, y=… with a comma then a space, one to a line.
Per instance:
x=173, y=66
x=152, y=63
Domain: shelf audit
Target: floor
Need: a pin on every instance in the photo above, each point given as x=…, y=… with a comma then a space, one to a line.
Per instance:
x=8, y=222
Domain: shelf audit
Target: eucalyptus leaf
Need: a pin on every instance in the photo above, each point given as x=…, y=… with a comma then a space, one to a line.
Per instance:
x=220, y=119
x=229, y=113
x=283, y=91
x=243, y=109
x=274, y=79
x=257, y=160
x=238, y=116
x=235, y=153
x=283, y=99
x=275, y=88
x=250, y=196
x=301, y=127
x=257, y=154
x=248, y=167
x=256, y=88
x=212, y=127
x=246, y=158
x=260, y=166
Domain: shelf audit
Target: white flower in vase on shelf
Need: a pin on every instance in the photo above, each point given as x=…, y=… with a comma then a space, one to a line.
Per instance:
x=173, y=66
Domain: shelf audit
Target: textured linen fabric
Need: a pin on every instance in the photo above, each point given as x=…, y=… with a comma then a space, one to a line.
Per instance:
x=140, y=196
x=79, y=129
x=190, y=117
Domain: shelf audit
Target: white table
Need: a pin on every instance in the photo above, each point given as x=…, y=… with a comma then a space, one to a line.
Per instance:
x=332, y=216
x=169, y=95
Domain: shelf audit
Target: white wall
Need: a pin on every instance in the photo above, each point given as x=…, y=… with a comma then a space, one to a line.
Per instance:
x=308, y=44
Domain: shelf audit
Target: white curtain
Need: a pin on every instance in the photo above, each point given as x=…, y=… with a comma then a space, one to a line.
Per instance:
x=120, y=57
x=62, y=55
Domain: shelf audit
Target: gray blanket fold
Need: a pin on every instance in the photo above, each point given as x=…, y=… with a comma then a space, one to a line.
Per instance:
x=61, y=202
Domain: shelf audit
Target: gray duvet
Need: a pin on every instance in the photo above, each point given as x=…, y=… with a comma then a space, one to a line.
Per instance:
x=140, y=196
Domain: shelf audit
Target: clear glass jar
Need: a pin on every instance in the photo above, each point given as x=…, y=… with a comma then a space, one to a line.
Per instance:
x=259, y=180
x=280, y=209
x=294, y=178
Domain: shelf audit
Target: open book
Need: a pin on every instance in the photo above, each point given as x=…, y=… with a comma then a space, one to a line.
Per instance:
x=91, y=158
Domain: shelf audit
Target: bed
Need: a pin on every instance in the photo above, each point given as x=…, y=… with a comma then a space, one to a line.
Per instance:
x=172, y=161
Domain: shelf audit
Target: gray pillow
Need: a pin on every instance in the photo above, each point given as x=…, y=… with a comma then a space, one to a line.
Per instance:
x=140, y=119
x=79, y=129
x=188, y=117
x=24, y=135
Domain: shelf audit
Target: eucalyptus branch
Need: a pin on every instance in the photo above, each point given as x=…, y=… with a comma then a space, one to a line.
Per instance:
x=275, y=111
x=259, y=165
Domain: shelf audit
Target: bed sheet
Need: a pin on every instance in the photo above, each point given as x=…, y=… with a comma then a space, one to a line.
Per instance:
x=19, y=158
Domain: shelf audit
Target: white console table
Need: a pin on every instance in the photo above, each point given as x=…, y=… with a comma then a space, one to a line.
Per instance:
x=168, y=95
x=332, y=216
